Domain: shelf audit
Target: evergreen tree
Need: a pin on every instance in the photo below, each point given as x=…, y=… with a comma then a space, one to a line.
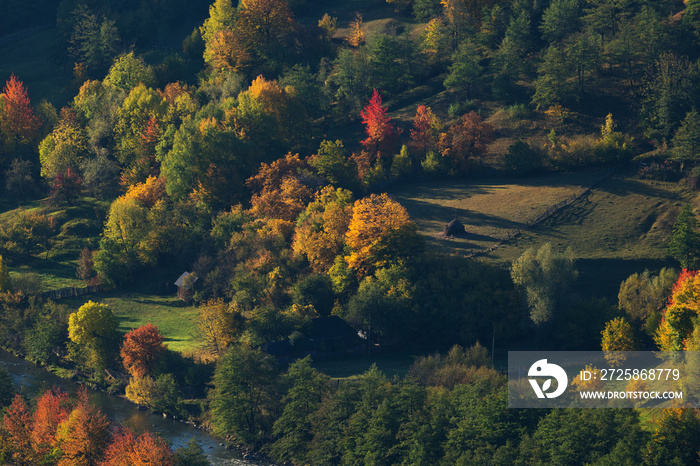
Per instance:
x=685, y=240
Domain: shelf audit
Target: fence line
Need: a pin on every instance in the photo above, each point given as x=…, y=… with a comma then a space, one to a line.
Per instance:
x=548, y=213
x=72, y=292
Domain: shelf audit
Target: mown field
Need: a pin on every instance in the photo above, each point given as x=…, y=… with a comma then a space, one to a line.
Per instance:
x=622, y=227
x=490, y=209
x=175, y=319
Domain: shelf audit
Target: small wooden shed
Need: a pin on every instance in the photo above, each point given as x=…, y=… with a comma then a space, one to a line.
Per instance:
x=185, y=285
x=454, y=228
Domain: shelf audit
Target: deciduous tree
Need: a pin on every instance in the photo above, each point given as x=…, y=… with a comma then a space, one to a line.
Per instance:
x=618, y=336
x=18, y=123
x=52, y=408
x=320, y=232
x=218, y=325
x=466, y=141
x=94, y=327
x=265, y=26
x=379, y=232
x=680, y=314
x=331, y=162
x=381, y=132
x=142, y=350
x=83, y=436
x=128, y=71
x=426, y=130
x=545, y=276
x=278, y=191
x=18, y=424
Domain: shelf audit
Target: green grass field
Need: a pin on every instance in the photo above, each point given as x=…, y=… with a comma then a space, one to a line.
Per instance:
x=175, y=319
x=77, y=226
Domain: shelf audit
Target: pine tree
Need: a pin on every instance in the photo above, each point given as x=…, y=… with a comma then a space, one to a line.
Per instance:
x=685, y=240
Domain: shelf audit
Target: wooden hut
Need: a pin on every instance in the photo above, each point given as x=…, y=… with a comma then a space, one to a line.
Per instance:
x=454, y=228
x=185, y=285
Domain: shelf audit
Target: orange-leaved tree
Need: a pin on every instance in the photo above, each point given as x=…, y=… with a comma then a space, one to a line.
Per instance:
x=126, y=449
x=142, y=350
x=52, y=408
x=426, y=130
x=83, y=436
x=682, y=309
x=18, y=123
x=465, y=142
x=120, y=445
x=380, y=231
x=17, y=422
x=278, y=191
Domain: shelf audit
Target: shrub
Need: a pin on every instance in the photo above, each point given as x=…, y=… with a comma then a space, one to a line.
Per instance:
x=457, y=109
x=523, y=159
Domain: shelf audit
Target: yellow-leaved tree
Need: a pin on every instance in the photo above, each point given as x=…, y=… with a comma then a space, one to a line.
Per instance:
x=93, y=329
x=218, y=326
x=320, y=231
x=678, y=317
x=380, y=232
x=618, y=336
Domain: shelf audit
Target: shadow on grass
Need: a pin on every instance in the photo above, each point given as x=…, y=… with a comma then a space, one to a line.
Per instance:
x=624, y=186
x=167, y=301
x=602, y=277
x=428, y=211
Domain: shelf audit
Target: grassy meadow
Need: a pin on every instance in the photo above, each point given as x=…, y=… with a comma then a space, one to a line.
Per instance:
x=490, y=209
x=175, y=319
x=622, y=227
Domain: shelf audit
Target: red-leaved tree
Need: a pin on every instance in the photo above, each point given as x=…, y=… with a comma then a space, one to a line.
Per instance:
x=19, y=124
x=381, y=132
x=142, y=350
x=66, y=187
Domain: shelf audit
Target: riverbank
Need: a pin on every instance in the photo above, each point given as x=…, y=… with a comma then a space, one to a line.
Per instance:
x=31, y=380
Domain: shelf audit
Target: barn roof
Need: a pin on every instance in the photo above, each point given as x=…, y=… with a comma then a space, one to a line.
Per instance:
x=180, y=281
x=330, y=327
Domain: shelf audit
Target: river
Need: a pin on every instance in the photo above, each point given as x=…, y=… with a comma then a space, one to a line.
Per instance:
x=31, y=379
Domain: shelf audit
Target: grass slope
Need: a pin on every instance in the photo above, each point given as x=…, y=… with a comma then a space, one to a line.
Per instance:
x=31, y=56
x=622, y=227
x=489, y=209
x=77, y=226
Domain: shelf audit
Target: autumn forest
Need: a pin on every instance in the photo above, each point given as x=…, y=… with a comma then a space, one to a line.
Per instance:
x=315, y=229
